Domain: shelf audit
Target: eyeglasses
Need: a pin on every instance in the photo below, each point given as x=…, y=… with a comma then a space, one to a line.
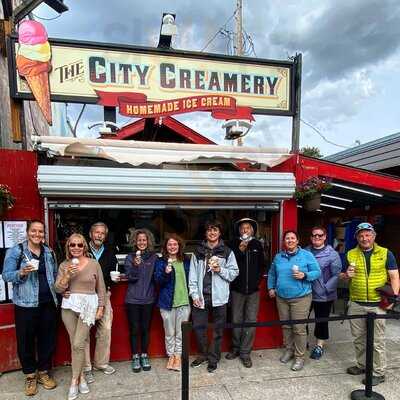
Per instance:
x=80, y=245
x=318, y=235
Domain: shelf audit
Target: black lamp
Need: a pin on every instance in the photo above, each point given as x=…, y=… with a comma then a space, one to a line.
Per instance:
x=28, y=6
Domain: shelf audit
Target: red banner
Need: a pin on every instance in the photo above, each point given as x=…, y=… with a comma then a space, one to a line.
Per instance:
x=136, y=105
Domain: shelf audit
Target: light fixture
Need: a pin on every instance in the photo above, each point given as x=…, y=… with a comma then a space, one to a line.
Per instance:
x=167, y=31
x=331, y=206
x=28, y=6
x=236, y=128
x=356, y=189
x=336, y=197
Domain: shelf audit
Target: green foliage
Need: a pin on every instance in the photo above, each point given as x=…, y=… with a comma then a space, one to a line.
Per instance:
x=311, y=151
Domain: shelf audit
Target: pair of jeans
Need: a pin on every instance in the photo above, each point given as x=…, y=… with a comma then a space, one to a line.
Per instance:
x=139, y=318
x=36, y=330
x=212, y=352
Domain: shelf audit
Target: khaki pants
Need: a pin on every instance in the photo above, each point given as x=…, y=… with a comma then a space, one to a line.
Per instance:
x=359, y=331
x=78, y=336
x=294, y=336
x=172, y=320
x=103, y=339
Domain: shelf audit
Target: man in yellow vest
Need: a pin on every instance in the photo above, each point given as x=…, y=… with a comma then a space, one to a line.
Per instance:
x=368, y=267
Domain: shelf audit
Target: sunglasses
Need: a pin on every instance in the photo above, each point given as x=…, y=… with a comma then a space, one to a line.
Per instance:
x=80, y=245
x=318, y=235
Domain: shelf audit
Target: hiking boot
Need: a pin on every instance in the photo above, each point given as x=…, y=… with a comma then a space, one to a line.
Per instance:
x=317, y=353
x=298, y=364
x=135, y=364
x=106, y=369
x=145, y=362
x=176, y=366
x=376, y=380
x=198, y=361
x=170, y=363
x=211, y=367
x=89, y=377
x=246, y=361
x=31, y=385
x=45, y=380
x=232, y=355
x=355, y=370
x=73, y=392
x=286, y=357
x=83, y=387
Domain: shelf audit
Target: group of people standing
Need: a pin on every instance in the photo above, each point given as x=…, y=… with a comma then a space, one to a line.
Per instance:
x=201, y=285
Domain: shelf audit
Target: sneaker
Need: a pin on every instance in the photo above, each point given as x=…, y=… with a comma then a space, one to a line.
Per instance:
x=45, y=380
x=355, y=370
x=198, y=361
x=89, y=377
x=145, y=362
x=286, y=357
x=317, y=353
x=73, y=392
x=136, y=367
x=376, y=380
x=298, y=364
x=246, y=361
x=31, y=385
x=83, y=387
x=176, y=366
x=211, y=367
x=106, y=369
x=232, y=355
x=170, y=363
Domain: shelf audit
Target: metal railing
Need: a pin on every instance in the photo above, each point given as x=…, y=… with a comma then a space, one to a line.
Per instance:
x=360, y=394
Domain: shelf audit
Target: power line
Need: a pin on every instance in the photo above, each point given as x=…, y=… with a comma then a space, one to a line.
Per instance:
x=322, y=136
x=219, y=30
x=46, y=19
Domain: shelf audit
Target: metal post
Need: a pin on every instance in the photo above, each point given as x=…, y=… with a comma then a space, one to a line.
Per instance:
x=186, y=329
x=297, y=103
x=361, y=394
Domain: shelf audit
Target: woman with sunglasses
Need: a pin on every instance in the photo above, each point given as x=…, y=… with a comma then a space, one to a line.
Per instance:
x=82, y=277
x=31, y=268
x=289, y=280
x=324, y=289
x=171, y=274
x=140, y=296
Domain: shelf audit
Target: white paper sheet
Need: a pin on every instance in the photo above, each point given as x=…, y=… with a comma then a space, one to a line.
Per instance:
x=14, y=233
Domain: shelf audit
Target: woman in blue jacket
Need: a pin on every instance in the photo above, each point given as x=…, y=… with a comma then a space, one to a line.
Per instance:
x=324, y=291
x=140, y=296
x=31, y=268
x=171, y=273
x=289, y=280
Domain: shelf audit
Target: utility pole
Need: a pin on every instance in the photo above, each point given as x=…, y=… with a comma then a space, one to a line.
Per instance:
x=239, y=40
x=296, y=117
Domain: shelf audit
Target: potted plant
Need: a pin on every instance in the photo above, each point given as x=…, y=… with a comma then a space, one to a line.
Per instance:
x=7, y=200
x=309, y=192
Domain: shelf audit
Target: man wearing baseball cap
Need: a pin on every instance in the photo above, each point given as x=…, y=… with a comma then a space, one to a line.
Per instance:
x=367, y=267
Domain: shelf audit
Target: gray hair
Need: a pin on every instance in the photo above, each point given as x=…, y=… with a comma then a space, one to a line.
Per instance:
x=96, y=224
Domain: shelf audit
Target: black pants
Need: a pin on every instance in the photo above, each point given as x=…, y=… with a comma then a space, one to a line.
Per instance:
x=322, y=309
x=36, y=329
x=139, y=317
x=200, y=321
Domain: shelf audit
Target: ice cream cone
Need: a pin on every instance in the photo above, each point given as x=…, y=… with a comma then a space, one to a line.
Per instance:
x=39, y=85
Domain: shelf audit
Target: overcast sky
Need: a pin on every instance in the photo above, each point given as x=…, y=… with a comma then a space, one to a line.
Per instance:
x=350, y=52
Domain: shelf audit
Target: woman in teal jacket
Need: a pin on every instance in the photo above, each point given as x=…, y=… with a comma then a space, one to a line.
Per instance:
x=290, y=281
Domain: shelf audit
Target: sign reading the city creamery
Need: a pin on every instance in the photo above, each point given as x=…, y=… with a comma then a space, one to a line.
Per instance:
x=144, y=82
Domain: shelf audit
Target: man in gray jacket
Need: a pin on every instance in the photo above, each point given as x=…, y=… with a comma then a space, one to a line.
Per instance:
x=212, y=268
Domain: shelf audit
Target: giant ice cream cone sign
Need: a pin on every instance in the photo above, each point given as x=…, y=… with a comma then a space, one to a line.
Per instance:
x=33, y=63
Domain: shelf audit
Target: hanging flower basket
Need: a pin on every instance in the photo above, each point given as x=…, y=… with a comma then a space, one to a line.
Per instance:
x=309, y=192
x=7, y=200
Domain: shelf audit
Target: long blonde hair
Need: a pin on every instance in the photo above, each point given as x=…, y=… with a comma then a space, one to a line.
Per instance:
x=85, y=245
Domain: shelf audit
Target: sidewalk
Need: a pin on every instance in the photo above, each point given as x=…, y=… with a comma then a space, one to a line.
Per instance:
x=268, y=379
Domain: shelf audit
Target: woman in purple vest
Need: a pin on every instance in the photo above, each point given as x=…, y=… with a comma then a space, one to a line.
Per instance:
x=324, y=291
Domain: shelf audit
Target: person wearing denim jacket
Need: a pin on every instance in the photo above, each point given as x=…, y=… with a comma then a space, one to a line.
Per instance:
x=31, y=268
x=290, y=280
x=324, y=289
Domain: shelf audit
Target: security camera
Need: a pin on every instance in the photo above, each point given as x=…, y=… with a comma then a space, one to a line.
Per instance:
x=236, y=128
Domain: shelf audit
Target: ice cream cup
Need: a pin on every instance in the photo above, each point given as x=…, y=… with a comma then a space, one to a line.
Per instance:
x=115, y=275
x=34, y=264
